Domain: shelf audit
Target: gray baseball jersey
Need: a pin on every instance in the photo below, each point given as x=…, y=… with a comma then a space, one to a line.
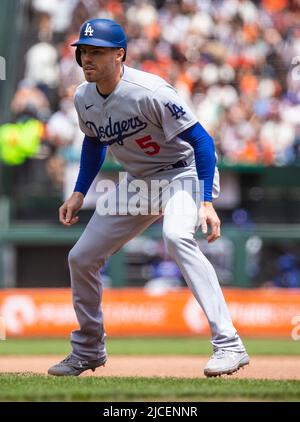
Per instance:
x=145, y=114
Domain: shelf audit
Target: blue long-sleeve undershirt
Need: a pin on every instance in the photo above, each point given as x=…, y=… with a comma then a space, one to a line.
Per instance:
x=92, y=157
x=204, y=150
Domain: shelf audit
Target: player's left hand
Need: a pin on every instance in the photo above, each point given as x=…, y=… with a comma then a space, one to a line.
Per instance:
x=208, y=216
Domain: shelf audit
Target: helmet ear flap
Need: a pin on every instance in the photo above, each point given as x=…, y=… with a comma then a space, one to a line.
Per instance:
x=78, y=56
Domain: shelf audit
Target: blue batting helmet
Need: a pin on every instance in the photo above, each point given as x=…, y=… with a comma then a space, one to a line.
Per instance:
x=101, y=33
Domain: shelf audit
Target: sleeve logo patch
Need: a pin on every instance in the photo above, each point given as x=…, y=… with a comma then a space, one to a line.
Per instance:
x=175, y=111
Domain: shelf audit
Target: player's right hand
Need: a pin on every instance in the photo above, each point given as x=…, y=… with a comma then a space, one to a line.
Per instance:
x=69, y=209
x=209, y=216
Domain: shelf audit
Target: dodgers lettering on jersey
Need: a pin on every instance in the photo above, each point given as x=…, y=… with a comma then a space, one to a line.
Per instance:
x=139, y=120
x=118, y=131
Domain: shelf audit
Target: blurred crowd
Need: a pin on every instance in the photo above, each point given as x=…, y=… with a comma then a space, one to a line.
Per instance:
x=236, y=62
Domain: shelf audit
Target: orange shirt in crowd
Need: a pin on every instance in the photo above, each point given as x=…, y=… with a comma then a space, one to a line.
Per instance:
x=274, y=5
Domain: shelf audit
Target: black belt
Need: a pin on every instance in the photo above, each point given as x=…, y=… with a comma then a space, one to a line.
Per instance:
x=177, y=165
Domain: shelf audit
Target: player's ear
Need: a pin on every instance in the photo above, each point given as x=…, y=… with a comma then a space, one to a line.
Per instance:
x=78, y=56
x=120, y=54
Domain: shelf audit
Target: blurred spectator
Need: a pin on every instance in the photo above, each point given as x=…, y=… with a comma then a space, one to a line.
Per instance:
x=41, y=65
x=237, y=62
x=59, y=12
x=165, y=276
x=70, y=73
x=288, y=272
x=19, y=141
x=105, y=278
x=29, y=100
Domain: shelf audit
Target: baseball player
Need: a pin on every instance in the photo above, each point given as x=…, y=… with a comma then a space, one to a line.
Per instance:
x=156, y=138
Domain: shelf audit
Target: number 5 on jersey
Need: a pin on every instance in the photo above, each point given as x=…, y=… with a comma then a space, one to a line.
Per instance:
x=148, y=145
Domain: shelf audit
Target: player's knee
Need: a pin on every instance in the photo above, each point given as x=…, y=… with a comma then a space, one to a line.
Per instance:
x=80, y=260
x=74, y=258
x=173, y=240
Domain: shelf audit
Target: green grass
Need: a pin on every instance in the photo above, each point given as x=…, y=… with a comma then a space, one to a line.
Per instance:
x=23, y=387
x=148, y=346
x=29, y=387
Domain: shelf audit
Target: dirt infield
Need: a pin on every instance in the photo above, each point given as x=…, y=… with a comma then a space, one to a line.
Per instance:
x=261, y=367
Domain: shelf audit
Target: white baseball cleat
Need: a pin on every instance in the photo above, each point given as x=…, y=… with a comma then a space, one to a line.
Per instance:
x=225, y=362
